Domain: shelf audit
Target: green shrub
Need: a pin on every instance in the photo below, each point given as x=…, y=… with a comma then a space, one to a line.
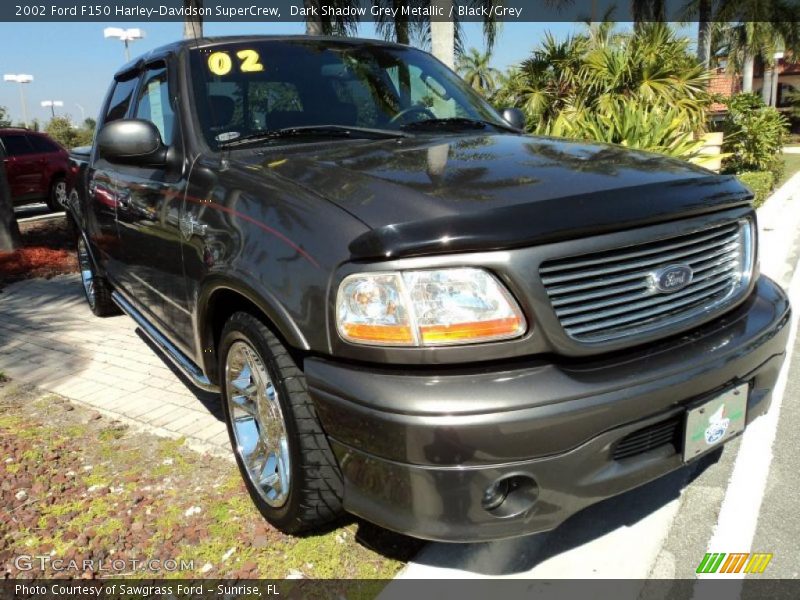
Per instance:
x=62, y=131
x=631, y=123
x=760, y=183
x=644, y=89
x=754, y=136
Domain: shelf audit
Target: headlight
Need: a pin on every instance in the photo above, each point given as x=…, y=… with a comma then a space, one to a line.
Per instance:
x=426, y=308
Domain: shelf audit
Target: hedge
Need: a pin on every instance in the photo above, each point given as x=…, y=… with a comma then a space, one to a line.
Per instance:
x=760, y=183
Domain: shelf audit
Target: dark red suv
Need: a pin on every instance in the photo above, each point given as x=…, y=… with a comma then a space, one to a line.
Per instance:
x=36, y=167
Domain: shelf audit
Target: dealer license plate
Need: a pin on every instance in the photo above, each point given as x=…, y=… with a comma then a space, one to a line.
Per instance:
x=714, y=422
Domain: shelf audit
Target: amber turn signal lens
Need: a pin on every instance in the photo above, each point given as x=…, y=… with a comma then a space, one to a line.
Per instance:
x=471, y=332
x=379, y=334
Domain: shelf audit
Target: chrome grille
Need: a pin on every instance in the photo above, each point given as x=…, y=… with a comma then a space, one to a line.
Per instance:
x=613, y=294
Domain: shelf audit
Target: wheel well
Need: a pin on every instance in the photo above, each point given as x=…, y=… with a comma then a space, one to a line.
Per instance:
x=221, y=306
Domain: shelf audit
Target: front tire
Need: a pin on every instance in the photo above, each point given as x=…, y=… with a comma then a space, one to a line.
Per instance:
x=282, y=452
x=96, y=289
x=57, y=199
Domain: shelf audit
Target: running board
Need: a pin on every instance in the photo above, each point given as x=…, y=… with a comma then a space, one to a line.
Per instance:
x=178, y=358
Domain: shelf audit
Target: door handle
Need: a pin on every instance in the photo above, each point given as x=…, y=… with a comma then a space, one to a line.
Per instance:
x=189, y=226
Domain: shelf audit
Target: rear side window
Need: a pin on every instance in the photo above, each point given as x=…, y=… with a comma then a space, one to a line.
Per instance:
x=17, y=145
x=120, y=100
x=42, y=144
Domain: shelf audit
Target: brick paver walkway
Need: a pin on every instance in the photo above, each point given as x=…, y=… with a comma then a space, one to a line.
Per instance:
x=50, y=338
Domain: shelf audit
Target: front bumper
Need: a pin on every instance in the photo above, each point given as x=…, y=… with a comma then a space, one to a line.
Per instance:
x=418, y=447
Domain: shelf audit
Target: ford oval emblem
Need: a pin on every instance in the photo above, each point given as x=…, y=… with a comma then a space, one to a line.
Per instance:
x=671, y=279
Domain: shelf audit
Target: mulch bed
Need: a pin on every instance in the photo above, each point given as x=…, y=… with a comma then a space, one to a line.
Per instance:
x=77, y=486
x=48, y=250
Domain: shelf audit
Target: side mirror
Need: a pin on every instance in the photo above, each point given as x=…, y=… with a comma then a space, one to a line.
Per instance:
x=514, y=117
x=131, y=142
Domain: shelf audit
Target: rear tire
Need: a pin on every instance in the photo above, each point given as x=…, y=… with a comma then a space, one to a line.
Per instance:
x=282, y=452
x=96, y=288
x=57, y=200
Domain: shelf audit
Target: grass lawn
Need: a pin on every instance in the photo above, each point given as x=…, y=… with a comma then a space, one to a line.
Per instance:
x=76, y=485
x=791, y=165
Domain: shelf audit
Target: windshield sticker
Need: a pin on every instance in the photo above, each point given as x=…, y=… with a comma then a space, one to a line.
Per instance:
x=227, y=136
x=219, y=63
x=251, y=61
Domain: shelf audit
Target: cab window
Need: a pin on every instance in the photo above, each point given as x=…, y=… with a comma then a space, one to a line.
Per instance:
x=120, y=99
x=154, y=104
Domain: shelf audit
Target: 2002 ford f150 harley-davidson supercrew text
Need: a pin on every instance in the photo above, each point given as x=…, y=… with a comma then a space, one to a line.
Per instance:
x=412, y=311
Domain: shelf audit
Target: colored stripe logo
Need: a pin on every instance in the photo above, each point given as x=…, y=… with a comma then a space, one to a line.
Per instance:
x=720, y=562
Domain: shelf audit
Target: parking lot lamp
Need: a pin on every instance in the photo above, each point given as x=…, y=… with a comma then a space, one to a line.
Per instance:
x=21, y=79
x=126, y=36
x=52, y=104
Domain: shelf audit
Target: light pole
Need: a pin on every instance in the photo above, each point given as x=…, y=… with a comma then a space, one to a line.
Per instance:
x=21, y=79
x=52, y=104
x=125, y=36
x=83, y=112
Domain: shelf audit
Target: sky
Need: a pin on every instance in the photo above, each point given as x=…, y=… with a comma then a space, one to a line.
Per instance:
x=72, y=62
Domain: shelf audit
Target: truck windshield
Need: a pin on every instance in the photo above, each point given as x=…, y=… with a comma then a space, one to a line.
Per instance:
x=246, y=89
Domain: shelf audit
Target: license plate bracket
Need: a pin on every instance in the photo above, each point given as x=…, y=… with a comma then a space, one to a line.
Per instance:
x=713, y=421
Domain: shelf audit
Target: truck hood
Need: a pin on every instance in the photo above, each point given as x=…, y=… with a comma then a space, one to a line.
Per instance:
x=478, y=192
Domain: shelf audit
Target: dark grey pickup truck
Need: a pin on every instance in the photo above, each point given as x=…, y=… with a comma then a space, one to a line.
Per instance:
x=412, y=311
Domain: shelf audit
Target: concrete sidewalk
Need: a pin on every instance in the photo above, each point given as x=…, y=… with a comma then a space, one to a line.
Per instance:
x=50, y=338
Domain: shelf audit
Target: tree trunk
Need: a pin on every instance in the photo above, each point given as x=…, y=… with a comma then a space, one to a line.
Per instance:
x=704, y=32
x=10, y=238
x=192, y=26
x=766, y=86
x=401, y=25
x=775, y=82
x=443, y=34
x=313, y=22
x=747, y=73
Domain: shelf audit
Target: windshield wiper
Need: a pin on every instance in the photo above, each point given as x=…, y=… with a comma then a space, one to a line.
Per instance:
x=453, y=123
x=313, y=130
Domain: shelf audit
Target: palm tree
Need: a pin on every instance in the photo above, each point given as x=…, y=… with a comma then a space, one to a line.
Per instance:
x=445, y=36
x=193, y=26
x=758, y=30
x=475, y=68
x=327, y=24
x=644, y=89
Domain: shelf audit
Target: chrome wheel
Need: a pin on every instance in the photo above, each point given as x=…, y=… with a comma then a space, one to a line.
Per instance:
x=87, y=275
x=259, y=429
x=61, y=193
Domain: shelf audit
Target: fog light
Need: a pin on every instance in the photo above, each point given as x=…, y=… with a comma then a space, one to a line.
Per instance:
x=511, y=496
x=495, y=494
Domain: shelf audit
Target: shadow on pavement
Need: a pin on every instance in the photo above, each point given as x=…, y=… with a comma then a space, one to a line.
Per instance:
x=520, y=555
x=32, y=210
x=41, y=356
x=210, y=401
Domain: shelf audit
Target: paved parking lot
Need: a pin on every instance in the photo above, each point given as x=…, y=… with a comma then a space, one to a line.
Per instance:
x=49, y=337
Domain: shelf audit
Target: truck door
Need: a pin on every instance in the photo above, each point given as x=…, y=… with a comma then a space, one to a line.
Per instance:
x=102, y=184
x=148, y=216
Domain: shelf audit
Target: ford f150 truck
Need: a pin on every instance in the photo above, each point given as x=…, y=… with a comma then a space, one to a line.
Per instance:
x=411, y=310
